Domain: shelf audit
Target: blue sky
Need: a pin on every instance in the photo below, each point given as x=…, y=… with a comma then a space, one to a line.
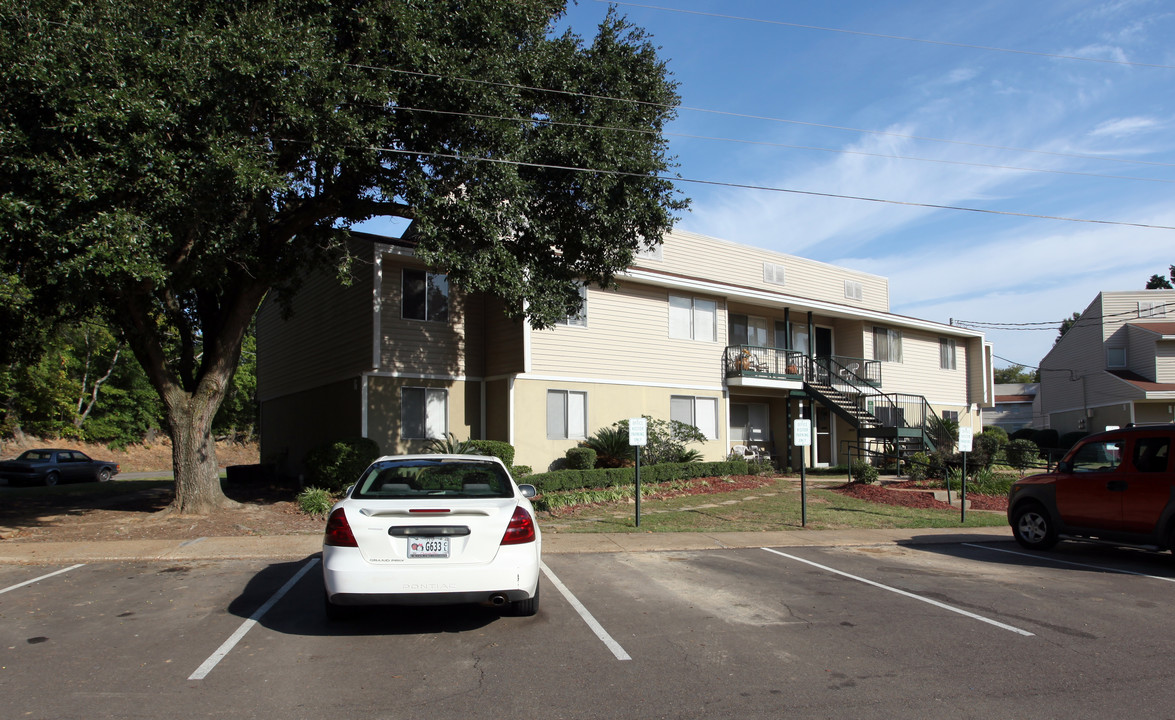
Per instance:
x=839, y=109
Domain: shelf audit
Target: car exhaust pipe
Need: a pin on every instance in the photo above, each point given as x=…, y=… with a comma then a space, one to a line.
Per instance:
x=498, y=599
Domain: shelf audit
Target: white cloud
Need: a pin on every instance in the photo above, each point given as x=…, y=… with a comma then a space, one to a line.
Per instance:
x=1121, y=127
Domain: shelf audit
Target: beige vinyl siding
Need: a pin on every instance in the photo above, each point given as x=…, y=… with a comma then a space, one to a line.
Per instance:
x=327, y=337
x=1078, y=354
x=504, y=349
x=920, y=372
x=1142, y=351
x=422, y=347
x=293, y=424
x=627, y=339
x=697, y=256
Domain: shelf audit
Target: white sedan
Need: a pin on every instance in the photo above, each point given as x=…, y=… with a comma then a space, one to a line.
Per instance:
x=433, y=530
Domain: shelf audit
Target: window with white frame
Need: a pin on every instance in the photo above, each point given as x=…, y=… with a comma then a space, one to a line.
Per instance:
x=1151, y=309
x=946, y=353
x=701, y=412
x=693, y=318
x=774, y=273
x=566, y=415
x=580, y=318
x=424, y=296
x=747, y=330
x=1116, y=357
x=887, y=344
x=952, y=415
x=424, y=413
x=853, y=290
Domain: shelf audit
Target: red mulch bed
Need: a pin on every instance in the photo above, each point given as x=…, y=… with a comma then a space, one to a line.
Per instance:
x=906, y=494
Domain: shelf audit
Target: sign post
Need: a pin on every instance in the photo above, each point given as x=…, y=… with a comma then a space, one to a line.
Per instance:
x=638, y=435
x=965, y=438
x=802, y=438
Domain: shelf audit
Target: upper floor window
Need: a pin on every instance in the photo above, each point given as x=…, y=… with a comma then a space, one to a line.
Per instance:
x=579, y=319
x=424, y=413
x=774, y=273
x=853, y=290
x=887, y=344
x=946, y=353
x=747, y=330
x=1116, y=357
x=693, y=318
x=1151, y=309
x=425, y=296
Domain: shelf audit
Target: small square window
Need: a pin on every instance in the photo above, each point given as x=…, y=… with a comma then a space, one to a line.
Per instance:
x=424, y=296
x=1116, y=357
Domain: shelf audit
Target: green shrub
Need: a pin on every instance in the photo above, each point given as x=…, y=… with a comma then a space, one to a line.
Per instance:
x=315, y=501
x=863, y=472
x=1047, y=439
x=997, y=432
x=335, y=465
x=1069, y=439
x=611, y=446
x=986, y=448
x=581, y=458
x=917, y=466
x=1021, y=454
x=519, y=471
x=984, y=481
x=450, y=445
x=500, y=449
x=1022, y=434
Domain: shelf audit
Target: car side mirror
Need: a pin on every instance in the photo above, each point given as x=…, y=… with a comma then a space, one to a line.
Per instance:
x=528, y=491
x=1065, y=467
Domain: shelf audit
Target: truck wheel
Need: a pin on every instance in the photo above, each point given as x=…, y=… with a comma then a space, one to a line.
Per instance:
x=1033, y=528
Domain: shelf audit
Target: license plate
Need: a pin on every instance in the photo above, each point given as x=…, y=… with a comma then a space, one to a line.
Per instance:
x=428, y=547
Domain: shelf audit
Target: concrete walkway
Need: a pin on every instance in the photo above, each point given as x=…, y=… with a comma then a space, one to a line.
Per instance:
x=292, y=547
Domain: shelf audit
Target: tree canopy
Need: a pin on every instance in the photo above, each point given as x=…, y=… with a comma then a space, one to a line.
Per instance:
x=166, y=165
x=1016, y=373
x=1158, y=282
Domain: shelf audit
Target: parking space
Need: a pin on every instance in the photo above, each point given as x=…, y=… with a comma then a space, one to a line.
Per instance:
x=979, y=629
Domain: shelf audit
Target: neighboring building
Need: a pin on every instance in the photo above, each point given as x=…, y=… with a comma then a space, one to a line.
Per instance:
x=735, y=340
x=1013, y=406
x=1115, y=366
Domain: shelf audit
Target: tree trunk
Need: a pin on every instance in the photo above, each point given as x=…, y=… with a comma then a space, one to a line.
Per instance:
x=193, y=453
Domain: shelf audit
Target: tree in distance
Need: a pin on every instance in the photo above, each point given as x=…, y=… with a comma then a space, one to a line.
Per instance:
x=168, y=165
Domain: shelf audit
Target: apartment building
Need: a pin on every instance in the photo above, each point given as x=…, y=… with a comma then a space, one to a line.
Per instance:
x=1115, y=365
x=738, y=341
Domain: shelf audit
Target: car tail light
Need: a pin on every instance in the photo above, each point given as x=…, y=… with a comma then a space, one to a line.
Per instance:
x=521, y=528
x=338, y=531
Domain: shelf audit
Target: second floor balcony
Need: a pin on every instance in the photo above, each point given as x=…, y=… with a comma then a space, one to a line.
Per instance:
x=754, y=361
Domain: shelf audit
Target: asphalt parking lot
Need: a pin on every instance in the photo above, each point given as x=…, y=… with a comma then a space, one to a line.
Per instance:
x=967, y=629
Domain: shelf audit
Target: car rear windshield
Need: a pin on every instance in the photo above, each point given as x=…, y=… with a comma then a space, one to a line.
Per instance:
x=400, y=479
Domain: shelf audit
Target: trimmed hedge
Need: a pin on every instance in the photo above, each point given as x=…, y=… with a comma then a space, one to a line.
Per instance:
x=581, y=458
x=610, y=477
x=504, y=451
x=335, y=465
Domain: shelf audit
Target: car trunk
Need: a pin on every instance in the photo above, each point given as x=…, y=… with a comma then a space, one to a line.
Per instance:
x=438, y=531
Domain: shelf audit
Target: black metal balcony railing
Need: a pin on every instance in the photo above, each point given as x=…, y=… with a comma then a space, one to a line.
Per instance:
x=769, y=362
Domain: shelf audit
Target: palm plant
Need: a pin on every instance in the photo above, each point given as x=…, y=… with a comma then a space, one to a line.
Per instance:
x=450, y=445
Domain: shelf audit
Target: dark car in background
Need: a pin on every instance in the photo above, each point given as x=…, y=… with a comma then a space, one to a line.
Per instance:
x=1116, y=487
x=50, y=466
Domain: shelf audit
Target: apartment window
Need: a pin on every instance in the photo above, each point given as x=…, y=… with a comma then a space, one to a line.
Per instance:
x=1151, y=309
x=853, y=290
x=425, y=296
x=424, y=413
x=1116, y=357
x=701, y=412
x=693, y=318
x=580, y=318
x=952, y=415
x=650, y=253
x=887, y=344
x=566, y=415
x=748, y=330
x=774, y=273
x=946, y=353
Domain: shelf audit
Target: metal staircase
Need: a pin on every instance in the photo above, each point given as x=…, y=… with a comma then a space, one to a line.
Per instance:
x=896, y=418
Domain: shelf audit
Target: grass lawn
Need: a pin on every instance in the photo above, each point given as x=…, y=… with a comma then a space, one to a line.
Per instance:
x=773, y=507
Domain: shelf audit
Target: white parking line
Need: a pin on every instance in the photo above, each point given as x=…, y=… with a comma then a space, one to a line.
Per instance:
x=1070, y=562
x=38, y=579
x=935, y=603
x=228, y=645
x=596, y=627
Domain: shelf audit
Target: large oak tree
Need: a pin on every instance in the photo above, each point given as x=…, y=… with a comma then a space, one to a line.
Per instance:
x=171, y=163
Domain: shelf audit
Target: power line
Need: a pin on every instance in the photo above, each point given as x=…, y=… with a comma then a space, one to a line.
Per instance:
x=903, y=38
x=746, y=186
x=746, y=116
x=766, y=143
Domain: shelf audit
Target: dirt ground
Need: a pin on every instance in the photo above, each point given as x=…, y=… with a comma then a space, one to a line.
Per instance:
x=91, y=512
